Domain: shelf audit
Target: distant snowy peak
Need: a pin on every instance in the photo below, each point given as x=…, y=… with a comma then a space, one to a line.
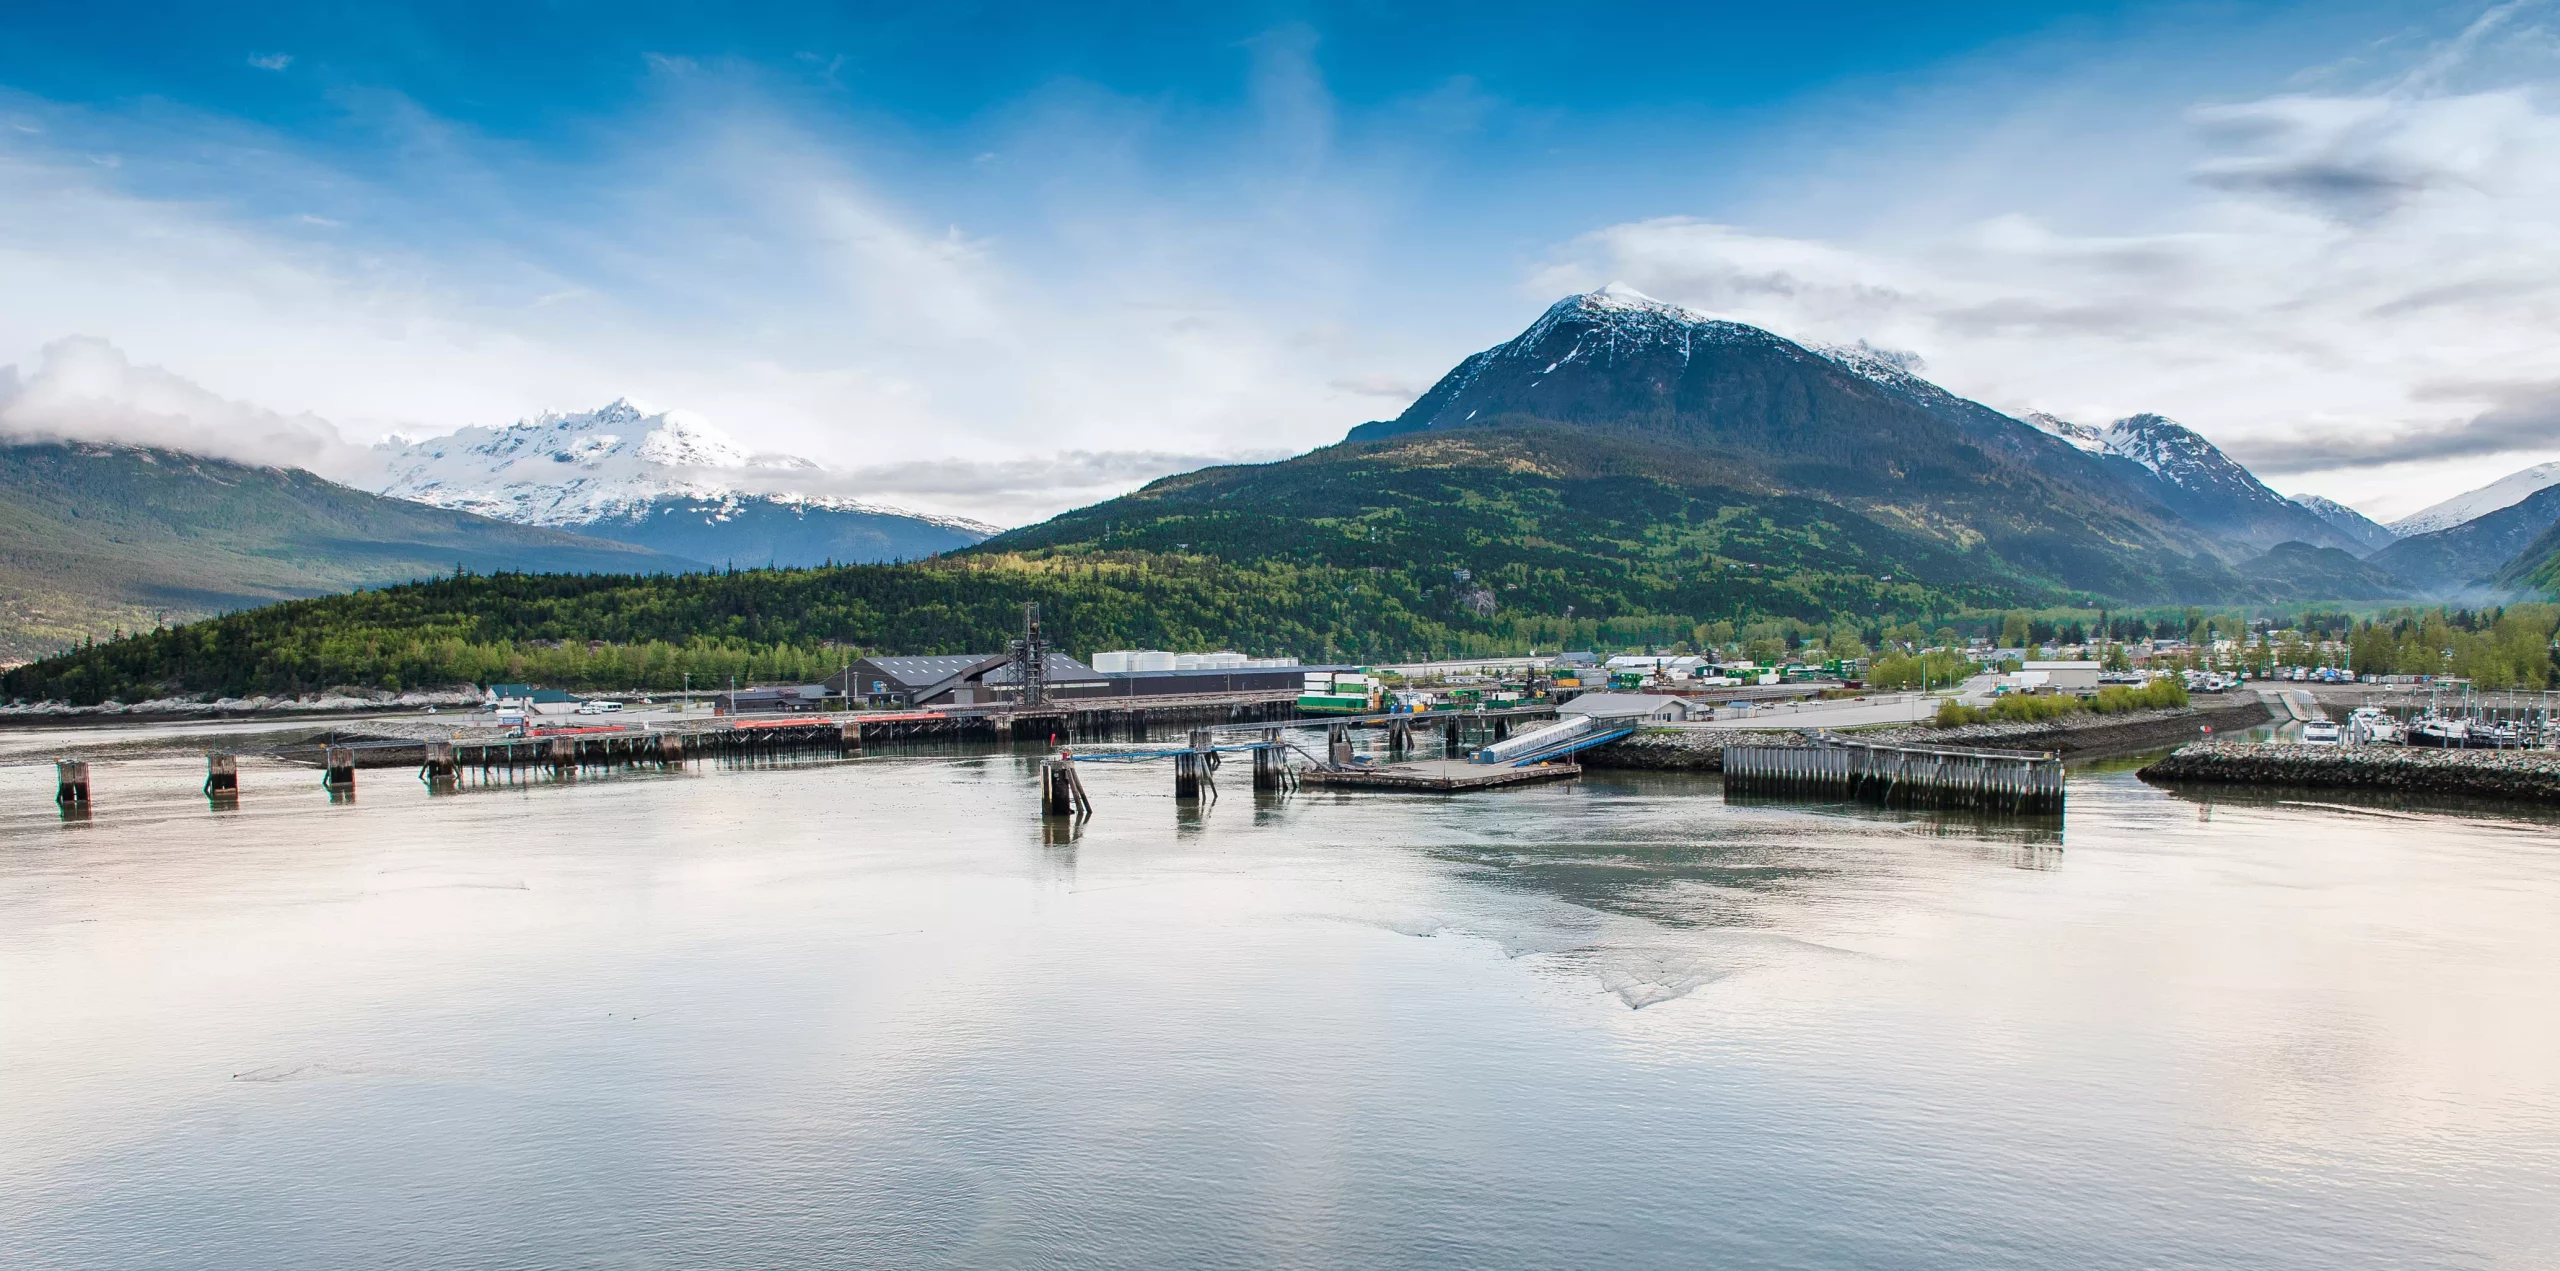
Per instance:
x=2328, y=509
x=2174, y=452
x=2358, y=527
x=2505, y=492
x=615, y=462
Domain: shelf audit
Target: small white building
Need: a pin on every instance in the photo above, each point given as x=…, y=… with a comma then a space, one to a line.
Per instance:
x=1652, y=708
x=2066, y=677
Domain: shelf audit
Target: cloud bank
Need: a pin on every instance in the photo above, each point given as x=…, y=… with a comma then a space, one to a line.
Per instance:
x=2360, y=288
x=85, y=389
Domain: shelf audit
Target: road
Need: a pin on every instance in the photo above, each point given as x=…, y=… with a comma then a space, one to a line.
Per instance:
x=1905, y=708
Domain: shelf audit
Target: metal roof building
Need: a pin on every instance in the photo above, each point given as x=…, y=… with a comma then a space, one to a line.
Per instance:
x=916, y=681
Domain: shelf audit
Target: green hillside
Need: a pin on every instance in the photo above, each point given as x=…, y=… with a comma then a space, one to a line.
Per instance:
x=766, y=625
x=1543, y=519
x=96, y=538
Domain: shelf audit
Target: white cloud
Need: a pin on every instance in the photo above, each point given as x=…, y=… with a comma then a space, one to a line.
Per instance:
x=719, y=256
x=271, y=61
x=85, y=389
x=2359, y=291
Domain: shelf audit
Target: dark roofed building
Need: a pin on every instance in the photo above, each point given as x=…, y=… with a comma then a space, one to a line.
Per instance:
x=1067, y=678
x=930, y=679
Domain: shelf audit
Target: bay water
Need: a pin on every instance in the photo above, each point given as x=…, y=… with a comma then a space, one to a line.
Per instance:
x=877, y=1012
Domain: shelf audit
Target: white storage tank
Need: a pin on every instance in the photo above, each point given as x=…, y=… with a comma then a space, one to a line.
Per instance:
x=1151, y=660
x=1113, y=663
x=1186, y=661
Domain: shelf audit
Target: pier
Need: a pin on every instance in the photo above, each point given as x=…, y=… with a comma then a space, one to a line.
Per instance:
x=1899, y=776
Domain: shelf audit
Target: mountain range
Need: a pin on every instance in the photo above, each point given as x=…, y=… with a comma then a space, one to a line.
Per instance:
x=1705, y=454
x=1619, y=457
x=664, y=481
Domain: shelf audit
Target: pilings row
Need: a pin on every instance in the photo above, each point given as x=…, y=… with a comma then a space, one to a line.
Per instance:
x=1899, y=776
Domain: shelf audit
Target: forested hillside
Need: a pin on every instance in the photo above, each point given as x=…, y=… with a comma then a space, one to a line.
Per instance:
x=650, y=632
x=98, y=537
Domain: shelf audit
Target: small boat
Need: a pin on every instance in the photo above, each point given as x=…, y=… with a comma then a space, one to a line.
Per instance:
x=2373, y=726
x=2437, y=731
x=2483, y=736
x=2319, y=732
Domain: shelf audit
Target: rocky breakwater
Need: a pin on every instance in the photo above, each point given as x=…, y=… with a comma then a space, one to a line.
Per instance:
x=2072, y=736
x=2501, y=774
x=1685, y=749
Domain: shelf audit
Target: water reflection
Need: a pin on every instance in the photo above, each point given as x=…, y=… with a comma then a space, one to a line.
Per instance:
x=894, y=1016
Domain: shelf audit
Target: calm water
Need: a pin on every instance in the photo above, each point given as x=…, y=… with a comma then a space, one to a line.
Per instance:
x=867, y=1014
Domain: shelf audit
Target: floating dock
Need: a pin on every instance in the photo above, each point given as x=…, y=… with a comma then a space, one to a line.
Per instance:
x=1446, y=776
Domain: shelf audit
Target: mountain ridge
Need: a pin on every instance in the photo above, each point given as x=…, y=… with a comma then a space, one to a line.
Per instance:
x=1850, y=426
x=2370, y=536
x=2464, y=560
x=96, y=536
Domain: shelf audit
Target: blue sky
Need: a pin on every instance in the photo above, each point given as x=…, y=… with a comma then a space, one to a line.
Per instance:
x=999, y=259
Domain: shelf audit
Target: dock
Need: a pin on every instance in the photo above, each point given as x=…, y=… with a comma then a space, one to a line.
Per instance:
x=1900, y=776
x=1443, y=776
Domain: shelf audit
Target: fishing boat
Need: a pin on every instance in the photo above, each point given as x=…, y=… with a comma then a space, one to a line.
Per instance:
x=2437, y=731
x=2320, y=732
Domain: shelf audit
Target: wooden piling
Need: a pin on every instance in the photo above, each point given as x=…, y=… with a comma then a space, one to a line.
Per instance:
x=439, y=766
x=338, y=769
x=71, y=782
x=221, y=774
x=1270, y=762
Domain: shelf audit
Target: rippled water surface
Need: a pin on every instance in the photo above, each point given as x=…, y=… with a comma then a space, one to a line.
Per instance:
x=870, y=1013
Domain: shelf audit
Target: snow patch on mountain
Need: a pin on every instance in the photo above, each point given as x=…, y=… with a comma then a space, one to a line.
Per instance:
x=2505, y=492
x=617, y=462
x=2174, y=452
x=2329, y=509
x=2080, y=435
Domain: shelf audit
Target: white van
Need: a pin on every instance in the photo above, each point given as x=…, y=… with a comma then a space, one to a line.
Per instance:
x=599, y=706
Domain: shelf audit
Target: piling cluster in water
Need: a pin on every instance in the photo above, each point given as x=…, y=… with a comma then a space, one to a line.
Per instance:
x=2508, y=774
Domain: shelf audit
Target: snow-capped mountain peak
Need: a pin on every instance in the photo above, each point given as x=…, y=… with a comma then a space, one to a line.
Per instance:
x=2505, y=492
x=2174, y=452
x=617, y=461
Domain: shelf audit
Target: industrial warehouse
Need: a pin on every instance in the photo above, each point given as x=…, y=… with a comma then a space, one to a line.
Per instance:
x=971, y=679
